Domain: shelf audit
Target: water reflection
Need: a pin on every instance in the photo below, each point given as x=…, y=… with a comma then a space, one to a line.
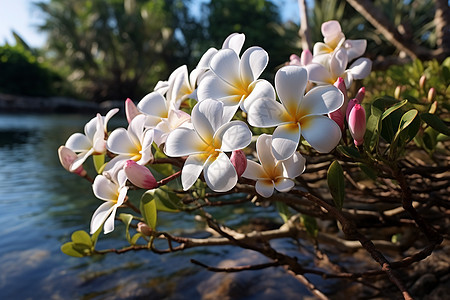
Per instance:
x=41, y=205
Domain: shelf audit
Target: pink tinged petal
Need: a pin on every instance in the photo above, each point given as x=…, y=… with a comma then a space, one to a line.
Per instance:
x=284, y=184
x=338, y=63
x=67, y=157
x=338, y=117
x=254, y=171
x=109, y=223
x=105, y=189
x=212, y=87
x=260, y=89
x=120, y=142
x=265, y=156
x=78, y=142
x=131, y=110
x=192, y=169
x=330, y=28
x=79, y=161
x=225, y=64
x=233, y=136
x=253, y=62
x=264, y=188
x=285, y=140
x=207, y=117
x=361, y=68
x=290, y=83
x=357, y=124
x=177, y=118
x=340, y=84
x=321, y=100
x=234, y=41
x=294, y=60
x=322, y=133
x=306, y=57
x=350, y=107
x=100, y=215
x=153, y=104
x=319, y=74
x=355, y=48
x=294, y=166
x=239, y=161
x=360, y=95
x=183, y=142
x=220, y=174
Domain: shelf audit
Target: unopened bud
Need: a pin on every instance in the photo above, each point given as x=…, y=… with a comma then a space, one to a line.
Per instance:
x=139, y=175
x=294, y=60
x=350, y=105
x=144, y=229
x=306, y=57
x=338, y=117
x=397, y=92
x=422, y=81
x=131, y=110
x=360, y=95
x=239, y=161
x=67, y=157
x=431, y=94
x=357, y=124
x=340, y=84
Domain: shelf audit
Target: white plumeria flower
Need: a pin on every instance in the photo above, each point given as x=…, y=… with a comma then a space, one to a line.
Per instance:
x=204, y=144
x=234, y=81
x=92, y=142
x=176, y=118
x=334, y=39
x=273, y=173
x=113, y=191
x=155, y=107
x=336, y=66
x=298, y=115
x=134, y=143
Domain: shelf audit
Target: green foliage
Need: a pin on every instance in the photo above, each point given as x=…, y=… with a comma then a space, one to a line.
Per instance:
x=22, y=73
x=336, y=183
x=82, y=244
x=148, y=209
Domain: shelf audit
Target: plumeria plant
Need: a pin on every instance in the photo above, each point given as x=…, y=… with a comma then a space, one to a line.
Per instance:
x=304, y=144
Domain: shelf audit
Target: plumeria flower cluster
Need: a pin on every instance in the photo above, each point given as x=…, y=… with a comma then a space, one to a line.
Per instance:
x=307, y=105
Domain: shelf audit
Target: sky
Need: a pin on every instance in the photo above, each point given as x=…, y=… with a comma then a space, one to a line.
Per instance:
x=22, y=17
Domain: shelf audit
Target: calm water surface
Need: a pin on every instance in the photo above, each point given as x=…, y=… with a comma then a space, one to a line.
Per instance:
x=41, y=205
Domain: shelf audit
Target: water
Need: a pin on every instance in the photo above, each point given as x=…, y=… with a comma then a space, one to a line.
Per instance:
x=41, y=205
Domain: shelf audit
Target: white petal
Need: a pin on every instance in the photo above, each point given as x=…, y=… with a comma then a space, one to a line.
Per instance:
x=206, y=58
x=290, y=83
x=253, y=62
x=234, y=41
x=91, y=127
x=182, y=142
x=81, y=159
x=330, y=28
x=264, y=151
x=266, y=113
x=322, y=133
x=355, y=48
x=233, y=136
x=100, y=215
x=104, y=188
x=225, y=64
x=361, y=68
x=108, y=116
x=153, y=104
x=192, y=169
x=220, y=174
x=319, y=74
x=338, y=63
x=230, y=107
x=254, y=171
x=285, y=140
x=284, y=184
x=264, y=188
x=78, y=142
x=109, y=223
x=136, y=130
x=207, y=117
x=294, y=165
x=212, y=87
x=261, y=89
x=320, y=48
x=119, y=142
x=321, y=100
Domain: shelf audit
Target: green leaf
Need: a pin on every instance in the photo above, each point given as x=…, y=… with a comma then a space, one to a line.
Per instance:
x=310, y=224
x=350, y=152
x=393, y=108
x=373, y=129
x=435, y=123
x=68, y=248
x=283, y=210
x=407, y=118
x=99, y=162
x=370, y=172
x=148, y=209
x=126, y=219
x=94, y=237
x=82, y=237
x=135, y=237
x=166, y=200
x=336, y=183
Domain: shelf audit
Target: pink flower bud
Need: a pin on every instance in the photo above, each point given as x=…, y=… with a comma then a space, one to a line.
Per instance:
x=306, y=57
x=338, y=117
x=294, y=60
x=422, y=81
x=397, y=92
x=239, y=161
x=340, y=84
x=144, y=229
x=130, y=110
x=350, y=105
x=431, y=94
x=357, y=124
x=67, y=157
x=139, y=175
x=360, y=95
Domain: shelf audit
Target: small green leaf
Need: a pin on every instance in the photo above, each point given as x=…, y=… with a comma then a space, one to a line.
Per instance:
x=283, y=210
x=407, y=118
x=166, y=200
x=371, y=173
x=94, y=237
x=99, y=162
x=68, y=248
x=336, y=183
x=350, y=152
x=135, y=237
x=81, y=237
x=126, y=219
x=393, y=108
x=310, y=224
x=148, y=209
x=435, y=123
